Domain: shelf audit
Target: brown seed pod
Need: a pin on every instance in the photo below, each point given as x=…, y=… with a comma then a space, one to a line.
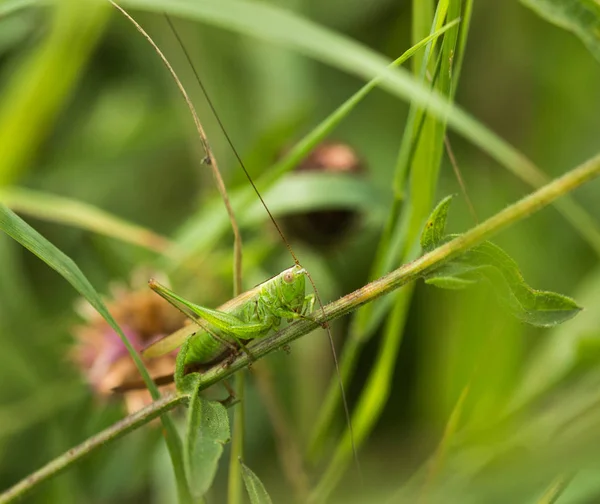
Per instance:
x=326, y=228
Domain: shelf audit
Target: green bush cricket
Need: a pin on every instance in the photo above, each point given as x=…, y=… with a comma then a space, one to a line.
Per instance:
x=253, y=314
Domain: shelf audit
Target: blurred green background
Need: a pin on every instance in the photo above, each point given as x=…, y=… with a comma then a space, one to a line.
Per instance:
x=105, y=125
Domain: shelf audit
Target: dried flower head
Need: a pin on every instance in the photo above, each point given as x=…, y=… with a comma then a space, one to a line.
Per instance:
x=101, y=355
x=326, y=227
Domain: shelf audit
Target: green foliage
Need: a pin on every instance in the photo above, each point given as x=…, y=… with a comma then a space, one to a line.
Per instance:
x=488, y=262
x=256, y=490
x=582, y=17
x=206, y=432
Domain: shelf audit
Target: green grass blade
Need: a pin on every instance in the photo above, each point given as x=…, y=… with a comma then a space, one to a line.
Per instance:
x=82, y=215
x=581, y=17
x=38, y=89
x=422, y=14
x=20, y=231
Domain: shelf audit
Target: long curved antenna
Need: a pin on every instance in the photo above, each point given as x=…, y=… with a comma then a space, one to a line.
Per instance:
x=287, y=244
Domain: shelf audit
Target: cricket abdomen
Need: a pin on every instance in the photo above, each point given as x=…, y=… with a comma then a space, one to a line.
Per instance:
x=204, y=349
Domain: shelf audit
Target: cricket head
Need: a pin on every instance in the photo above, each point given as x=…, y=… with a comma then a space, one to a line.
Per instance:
x=292, y=287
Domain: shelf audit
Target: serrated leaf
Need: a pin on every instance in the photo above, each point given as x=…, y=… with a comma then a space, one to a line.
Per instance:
x=256, y=490
x=581, y=17
x=488, y=262
x=207, y=431
x=550, y=309
x=435, y=226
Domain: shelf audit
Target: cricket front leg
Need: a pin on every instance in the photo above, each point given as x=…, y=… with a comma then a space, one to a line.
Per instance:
x=305, y=311
x=309, y=304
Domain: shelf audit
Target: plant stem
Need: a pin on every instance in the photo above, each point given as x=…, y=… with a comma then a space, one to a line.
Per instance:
x=73, y=455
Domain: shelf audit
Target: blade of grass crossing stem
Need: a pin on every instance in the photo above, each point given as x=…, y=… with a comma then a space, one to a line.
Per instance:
x=293, y=157
x=268, y=22
x=361, y=326
x=370, y=403
x=20, y=231
x=82, y=215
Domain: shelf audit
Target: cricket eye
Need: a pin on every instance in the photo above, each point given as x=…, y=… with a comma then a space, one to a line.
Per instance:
x=288, y=277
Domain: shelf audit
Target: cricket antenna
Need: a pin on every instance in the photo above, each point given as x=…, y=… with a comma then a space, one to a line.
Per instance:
x=279, y=231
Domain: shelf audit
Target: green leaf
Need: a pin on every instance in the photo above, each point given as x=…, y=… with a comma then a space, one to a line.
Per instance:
x=256, y=490
x=68, y=211
x=488, y=262
x=313, y=191
x=207, y=432
x=436, y=225
x=581, y=17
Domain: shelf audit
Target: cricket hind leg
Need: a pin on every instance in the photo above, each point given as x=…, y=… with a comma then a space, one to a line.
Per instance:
x=228, y=344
